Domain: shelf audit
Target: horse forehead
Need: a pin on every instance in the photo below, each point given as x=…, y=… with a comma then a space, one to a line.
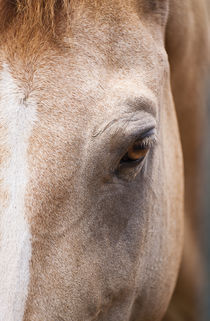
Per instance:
x=111, y=36
x=94, y=54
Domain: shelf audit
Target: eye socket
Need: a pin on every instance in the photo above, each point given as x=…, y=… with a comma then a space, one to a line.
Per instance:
x=136, y=153
x=133, y=160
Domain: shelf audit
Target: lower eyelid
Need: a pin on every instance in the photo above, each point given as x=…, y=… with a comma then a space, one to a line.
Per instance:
x=131, y=163
x=124, y=169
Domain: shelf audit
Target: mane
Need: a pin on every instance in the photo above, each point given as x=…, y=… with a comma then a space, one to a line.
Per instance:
x=42, y=13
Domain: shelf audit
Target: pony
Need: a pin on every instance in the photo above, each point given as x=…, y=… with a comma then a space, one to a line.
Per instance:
x=101, y=116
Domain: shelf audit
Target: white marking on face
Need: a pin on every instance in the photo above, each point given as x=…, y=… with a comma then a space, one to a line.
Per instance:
x=17, y=116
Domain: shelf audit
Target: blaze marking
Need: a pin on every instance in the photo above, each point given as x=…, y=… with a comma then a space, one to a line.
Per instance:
x=17, y=116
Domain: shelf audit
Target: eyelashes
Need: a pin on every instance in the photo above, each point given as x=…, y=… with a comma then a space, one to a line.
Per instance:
x=146, y=142
x=139, y=149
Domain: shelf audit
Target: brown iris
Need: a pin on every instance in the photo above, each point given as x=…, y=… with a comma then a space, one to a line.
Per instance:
x=136, y=152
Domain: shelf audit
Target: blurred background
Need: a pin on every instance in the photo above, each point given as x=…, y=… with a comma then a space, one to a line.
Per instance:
x=206, y=211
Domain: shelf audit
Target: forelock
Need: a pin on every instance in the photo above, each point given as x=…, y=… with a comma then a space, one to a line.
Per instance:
x=38, y=13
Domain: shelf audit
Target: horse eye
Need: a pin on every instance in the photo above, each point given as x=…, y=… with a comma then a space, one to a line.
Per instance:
x=136, y=153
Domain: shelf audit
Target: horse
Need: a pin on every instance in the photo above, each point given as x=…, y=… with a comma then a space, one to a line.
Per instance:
x=101, y=115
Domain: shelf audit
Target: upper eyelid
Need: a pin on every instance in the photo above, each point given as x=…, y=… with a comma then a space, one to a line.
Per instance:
x=151, y=131
x=147, y=142
x=143, y=136
x=124, y=122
